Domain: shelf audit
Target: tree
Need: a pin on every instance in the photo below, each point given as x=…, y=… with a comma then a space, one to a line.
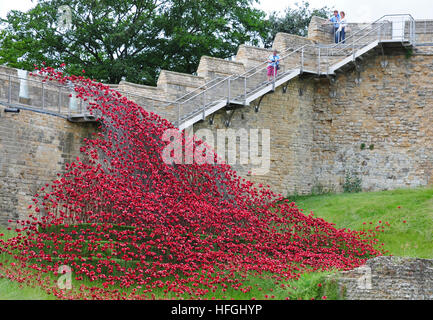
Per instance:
x=135, y=39
x=293, y=21
x=216, y=28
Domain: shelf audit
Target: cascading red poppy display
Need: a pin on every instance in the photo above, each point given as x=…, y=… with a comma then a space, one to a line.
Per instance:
x=121, y=217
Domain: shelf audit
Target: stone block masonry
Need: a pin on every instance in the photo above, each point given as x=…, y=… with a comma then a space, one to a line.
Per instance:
x=373, y=121
x=288, y=117
x=388, y=278
x=34, y=148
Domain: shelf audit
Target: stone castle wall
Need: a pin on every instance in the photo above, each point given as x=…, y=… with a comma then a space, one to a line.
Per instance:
x=289, y=118
x=373, y=122
x=376, y=122
x=34, y=148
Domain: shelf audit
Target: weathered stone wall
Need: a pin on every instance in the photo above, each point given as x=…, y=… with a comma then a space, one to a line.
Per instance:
x=373, y=121
x=376, y=122
x=289, y=118
x=34, y=147
x=178, y=84
x=252, y=56
x=389, y=278
x=141, y=90
x=289, y=42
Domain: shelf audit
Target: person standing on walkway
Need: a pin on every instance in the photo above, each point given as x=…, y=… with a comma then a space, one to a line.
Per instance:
x=273, y=65
x=336, y=24
x=342, y=28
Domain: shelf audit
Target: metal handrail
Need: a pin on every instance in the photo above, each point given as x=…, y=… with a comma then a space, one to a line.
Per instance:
x=63, y=89
x=189, y=93
x=356, y=38
x=265, y=63
x=364, y=36
x=28, y=79
x=370, y=24
x=246, y=72
x=234, y=86
x=225, y=79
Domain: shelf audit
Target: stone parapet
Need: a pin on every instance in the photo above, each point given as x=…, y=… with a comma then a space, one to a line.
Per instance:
x=285, y=42
x=210, y=68
x=251, y=57
x=373, y=121
x=177, y=83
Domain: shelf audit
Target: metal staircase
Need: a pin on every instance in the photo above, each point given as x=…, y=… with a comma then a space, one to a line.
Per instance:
x=319, y=60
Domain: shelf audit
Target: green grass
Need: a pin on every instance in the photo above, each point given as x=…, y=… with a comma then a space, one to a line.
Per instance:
x=411, y=239
x=314, y=286
x=10, y=290
x=415, y=206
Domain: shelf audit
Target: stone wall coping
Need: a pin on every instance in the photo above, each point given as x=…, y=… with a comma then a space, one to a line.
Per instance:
x=172, y=77
x=136, y=85
x=220, y=60
x=270, y=50
x=293, y=36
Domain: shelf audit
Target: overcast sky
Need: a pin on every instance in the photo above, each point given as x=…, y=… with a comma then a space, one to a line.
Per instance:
x=356, y=11
x=364, y=10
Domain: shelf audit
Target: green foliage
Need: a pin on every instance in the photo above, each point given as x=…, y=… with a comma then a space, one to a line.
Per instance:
x=11, y=290
x=317, y=286
x=134, y=39
x=293, y=21
x=409, y=53
x=352, y=183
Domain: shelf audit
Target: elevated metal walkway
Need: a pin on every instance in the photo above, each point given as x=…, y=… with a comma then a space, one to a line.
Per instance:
x=391, y=32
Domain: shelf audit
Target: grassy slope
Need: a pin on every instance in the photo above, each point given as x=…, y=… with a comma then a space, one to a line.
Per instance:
x=10, y=290
x=414, y=238
x=411, y=239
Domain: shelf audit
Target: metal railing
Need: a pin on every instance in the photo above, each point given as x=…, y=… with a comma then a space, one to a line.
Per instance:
x=40, y=95
x=50, y=97
x=34, y=93
x=311, y=58
x=424, y=32
x=389, y=28
x=236, y=89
